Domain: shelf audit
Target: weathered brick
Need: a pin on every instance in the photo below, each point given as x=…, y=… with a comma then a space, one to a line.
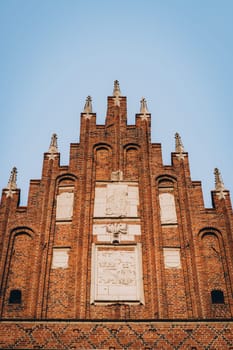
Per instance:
x=29, y=235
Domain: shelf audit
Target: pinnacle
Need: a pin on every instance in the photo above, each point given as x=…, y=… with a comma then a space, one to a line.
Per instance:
x=179, y=144
x=88, y=105
x=219, y=185
x=143, y=107
x=116, y=89
x=12, y=180
x=53, y=144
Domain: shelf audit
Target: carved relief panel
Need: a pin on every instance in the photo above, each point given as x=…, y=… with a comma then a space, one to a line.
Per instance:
x=116, y=268
x=108, y=232
x=116, y=274
x=116, y=200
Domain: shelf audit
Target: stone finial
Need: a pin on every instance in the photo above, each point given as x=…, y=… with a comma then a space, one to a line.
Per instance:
x=53, y=144
x=116, y=90
x=88, y=105
x=179, y=144
x=143, y=108
x=12, y=180
x=219, y=185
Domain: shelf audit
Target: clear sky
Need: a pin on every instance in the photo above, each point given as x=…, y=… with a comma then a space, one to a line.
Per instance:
x=178, y=54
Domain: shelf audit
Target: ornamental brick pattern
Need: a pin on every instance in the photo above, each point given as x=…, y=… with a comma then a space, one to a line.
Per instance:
x=116, y=196
x=117, y=335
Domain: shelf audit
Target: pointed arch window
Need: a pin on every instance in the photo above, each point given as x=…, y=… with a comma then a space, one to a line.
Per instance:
x=131, y=159
x=103, y=160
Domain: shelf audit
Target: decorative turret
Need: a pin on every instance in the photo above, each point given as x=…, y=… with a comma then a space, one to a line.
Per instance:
x=53, y=144
x=88, y=105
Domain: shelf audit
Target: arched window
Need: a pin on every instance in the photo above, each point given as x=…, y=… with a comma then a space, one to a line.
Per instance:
x=15, y=296
x=217, y=296
x=103, y=160
x=212, y=254
x=131, y=168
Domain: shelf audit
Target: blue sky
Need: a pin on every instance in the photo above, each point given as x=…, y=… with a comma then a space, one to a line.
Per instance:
x=178, y=54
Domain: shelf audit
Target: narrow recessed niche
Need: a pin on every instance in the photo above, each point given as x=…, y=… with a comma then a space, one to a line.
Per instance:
x=217, y=296
x=15, y=296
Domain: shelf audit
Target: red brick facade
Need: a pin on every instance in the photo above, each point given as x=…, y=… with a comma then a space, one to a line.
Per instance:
x=116, y=201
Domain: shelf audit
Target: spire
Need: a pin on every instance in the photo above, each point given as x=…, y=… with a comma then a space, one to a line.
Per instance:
x=53, y=144
x=11, y=186
x=179, y=144
x=116, y=90
x=179, y=148
x=219, y=185
x=88, y=105
x=12, y=180
x=143, y=108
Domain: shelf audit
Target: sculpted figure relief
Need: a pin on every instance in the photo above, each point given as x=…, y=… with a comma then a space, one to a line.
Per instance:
x=117, y=203
x=117, y=228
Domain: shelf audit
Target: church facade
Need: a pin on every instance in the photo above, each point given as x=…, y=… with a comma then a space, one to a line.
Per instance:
x=116, y=250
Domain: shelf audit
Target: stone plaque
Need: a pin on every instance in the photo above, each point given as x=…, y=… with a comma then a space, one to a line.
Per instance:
x=167, y=208
x=172, y=258
x=64, y=209
x=116, y=274
x=60, y=258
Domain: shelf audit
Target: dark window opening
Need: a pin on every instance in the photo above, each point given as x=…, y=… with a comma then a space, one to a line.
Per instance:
x=15, y=296
x=217, y=297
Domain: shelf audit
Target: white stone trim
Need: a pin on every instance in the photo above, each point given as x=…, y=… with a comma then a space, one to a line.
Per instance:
x=172, y=258
x=64, y=209
x=60, y=258
x=167, y=208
